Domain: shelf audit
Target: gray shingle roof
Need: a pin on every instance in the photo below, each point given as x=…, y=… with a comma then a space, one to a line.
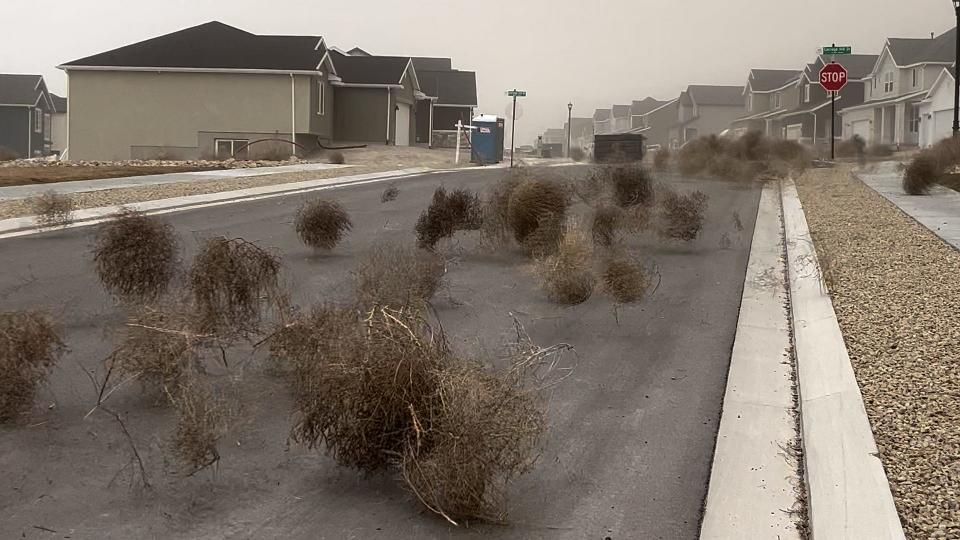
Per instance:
x=620, y=111
x=19, y=89
x=907, y=51
x=764, y=80
x=645, y=105
x=716, y=95
x=601, y=114
x=214, y=45
x=858, y=65
x=432, y=64
x=450, y=87
x=59, y=103
x=369, y=69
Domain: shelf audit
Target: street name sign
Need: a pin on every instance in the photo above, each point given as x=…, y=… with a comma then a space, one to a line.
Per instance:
x=833, y=77
x=517, y=93
x=834, y=50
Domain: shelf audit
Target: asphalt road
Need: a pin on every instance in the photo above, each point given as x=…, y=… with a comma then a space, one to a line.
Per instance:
x=632, y=431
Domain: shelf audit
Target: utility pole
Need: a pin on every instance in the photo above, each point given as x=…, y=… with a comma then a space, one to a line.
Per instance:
x=513, y=120
x=569, y=125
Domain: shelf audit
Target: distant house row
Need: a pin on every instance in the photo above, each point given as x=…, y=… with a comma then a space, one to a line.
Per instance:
x=215, y=91
x=902, y=97
x=32, y=120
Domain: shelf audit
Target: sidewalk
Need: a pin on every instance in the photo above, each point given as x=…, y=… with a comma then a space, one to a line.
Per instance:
x=939, y=211
x=81, y=186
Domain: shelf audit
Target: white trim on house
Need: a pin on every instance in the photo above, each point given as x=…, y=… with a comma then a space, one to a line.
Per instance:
x=671, y=102
x=326, y=58
x=364, y=85
x=945, y=72
x=319, y=43
x=16, y=105
x=452, y=105
x=187, y=70
x=882, y=102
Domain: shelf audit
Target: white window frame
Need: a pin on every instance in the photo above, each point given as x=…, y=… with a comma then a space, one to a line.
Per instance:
x=777, y=100
x=38, y=120
x=913, y=118
x=47, y=127
x=749, y=102
x=888, y=85
x=806, y=93
x=916, y=76
x=321, y=97
x=234, y=145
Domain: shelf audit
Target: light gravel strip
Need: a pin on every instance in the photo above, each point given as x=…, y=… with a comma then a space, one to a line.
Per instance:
x=754, y=483
x=896, y=291
x=22, y=226
x=848, y=492
x=938, y=211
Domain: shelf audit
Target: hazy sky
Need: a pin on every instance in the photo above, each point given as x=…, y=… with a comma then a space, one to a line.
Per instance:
x=591, y=53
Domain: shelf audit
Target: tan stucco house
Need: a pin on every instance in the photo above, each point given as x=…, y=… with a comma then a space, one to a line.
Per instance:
x=215, y=91
x=705, y=110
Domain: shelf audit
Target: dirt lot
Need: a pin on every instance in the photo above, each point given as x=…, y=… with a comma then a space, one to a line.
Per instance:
x=18, y=176
x=896, y=290
x=632, y=431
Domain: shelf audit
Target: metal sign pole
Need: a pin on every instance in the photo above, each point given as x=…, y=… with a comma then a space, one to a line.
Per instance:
x=513, y=127
x=833, y=127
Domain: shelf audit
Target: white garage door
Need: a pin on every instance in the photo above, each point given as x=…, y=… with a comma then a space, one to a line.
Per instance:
x=794, y=132
x=403, y=125
x=942, y=125
x=862, y=128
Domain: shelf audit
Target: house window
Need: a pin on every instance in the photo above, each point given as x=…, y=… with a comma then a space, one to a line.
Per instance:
x=806, y=93
x=777, y=98
x=916, y=76
x=235, y=148
x=750, y=102
x=321, y=97
x=913, y=120
x=37, y=121
x=46, y=126
x=888, y=82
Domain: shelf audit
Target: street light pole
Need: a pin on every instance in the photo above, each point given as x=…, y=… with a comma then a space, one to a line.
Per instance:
x=570, y=124
x=956, y=79
x=513, y=128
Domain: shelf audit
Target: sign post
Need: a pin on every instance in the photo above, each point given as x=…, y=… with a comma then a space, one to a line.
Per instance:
x=833, y=77
x=513, y=119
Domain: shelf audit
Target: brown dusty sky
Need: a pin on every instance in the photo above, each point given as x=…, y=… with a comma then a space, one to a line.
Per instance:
x=592, y=53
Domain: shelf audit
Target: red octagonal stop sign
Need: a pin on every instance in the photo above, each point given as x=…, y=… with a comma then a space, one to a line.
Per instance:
x=833, y=77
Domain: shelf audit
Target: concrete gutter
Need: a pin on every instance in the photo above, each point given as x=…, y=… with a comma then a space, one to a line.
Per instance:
x=848, y=492
x=754, y=481
x=22, y=226
x=938, y=211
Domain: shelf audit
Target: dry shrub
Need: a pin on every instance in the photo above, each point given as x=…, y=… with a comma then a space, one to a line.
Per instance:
x=567, y=275
x=792, y=153
x=394, y=275
x=535, y=209
x=52, y=209
x=880, y=150
x=631, y=184
x=161, y=346
x=661, y=160
x=201, y=421
x=390, y=193
x=336, y=158
x=136, y=256
x=695, y=156
x=7, y=154
x=487, y=433
x=577, y=154
x=229, y=280
x=458, y=211
x=729, y=168
x=496, y=207
x=322, y=224
x=29, y=348
x=852, y=147
x=922, y=173
x=682, y=215
x=607, y=222
x=751, y=146
x=625, y=279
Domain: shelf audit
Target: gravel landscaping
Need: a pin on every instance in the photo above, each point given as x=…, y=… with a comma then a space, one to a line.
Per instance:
x=896, y=291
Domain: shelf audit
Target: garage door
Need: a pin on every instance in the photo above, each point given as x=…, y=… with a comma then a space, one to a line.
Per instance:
x=862, y=128
x=942, y=125
x=403, y=125
x=794, y=132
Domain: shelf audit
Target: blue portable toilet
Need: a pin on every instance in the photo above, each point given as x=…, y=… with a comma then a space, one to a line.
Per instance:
x=487, y=139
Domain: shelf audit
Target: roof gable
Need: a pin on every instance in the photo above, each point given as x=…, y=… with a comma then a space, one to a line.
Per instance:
x=372, y=70
x=213, y=45
x=620, y=111
x=449, y=87
x=21, y=89
x=421, y=63
x=768, y=80
x=601, y=115
x=639, y=108
x=727, y=96
x=910, y=51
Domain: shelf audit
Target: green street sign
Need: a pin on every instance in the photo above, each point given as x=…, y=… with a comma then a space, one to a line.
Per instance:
x=517, y=93
x=834, y=50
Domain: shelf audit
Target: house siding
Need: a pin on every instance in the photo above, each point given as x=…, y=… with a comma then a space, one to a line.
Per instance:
x=322, y=125
x=659, y=122
x=360, y=114
x=113, y=112
x=14, y=123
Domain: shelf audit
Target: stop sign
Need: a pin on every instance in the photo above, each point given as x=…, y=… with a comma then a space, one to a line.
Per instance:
x=833, y=77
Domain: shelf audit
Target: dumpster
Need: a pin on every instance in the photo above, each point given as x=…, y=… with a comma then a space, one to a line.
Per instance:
x=487, y=139
x=618, y=147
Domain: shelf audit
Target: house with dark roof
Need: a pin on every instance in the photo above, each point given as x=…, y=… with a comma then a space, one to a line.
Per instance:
x=602, y=122
x=58, y=124
x=217, y=91
x=620, y=118
x=26, y=110
x=765, y=96
x=656, y=123
x=581, y=134
x=551, y=142
x=639, y=108
x=807, y=118
x=451, y=97
x=899, y=81
x=936, y=110
x=705, y=110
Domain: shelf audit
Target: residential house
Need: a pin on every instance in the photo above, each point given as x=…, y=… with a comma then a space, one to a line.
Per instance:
x=808, y=116
x=451, y=98
x=26, y=109
x=640, y=108
x=581, y=134
x=936, y=110
x=58, y=126
x=767, y=94
x=620, y=118
x=602, y=122
x=655, y=124
x=900, y=80
x=705, y=110
x=552, y=141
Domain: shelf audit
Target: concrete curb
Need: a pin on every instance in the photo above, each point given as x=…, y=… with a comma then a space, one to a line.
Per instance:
x=753, y=482
x=22, y=226
x=848, y=492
